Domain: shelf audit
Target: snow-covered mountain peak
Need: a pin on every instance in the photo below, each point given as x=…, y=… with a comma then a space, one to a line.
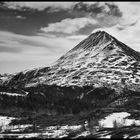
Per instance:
x=97, y=47
x=95, y=39
x=100, y=58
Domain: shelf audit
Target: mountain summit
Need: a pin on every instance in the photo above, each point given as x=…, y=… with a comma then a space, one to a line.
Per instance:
x=97, y=60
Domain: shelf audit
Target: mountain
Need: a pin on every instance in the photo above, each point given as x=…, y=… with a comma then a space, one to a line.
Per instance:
x=99, y=69
x=98, y=60
x=92, y=89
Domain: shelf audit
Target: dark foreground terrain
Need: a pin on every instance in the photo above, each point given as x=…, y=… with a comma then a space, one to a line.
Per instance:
x=64, y=112
x=119, y=124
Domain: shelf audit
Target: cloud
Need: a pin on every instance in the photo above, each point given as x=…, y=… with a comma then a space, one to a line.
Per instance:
x=89, y=14
x=76, y=37
x=78, y=8
x=128, y=34
x=52, y=6
x=39, y=50
x=69, y=25
x=106, y=13
x=89, y=7
x=7, y=49
x=50, y=43
x=20, y=17
x=130, y=11
x=120, y=19
x=97, y=9
x=126, y=29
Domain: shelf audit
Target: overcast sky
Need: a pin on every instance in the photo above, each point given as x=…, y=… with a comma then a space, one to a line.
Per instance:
x=36, y=34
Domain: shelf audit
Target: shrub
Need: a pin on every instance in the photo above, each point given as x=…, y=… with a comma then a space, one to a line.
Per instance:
x=118, y=124
x=101, y=126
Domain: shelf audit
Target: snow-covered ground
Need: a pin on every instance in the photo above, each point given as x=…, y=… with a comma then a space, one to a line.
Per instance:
x=60, y=131
x=12, y=94
x=30, y=135
x=48, y=132
x=120, y=119
x=5, y=121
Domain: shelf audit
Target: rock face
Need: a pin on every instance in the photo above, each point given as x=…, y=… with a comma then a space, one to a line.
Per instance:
x=98, y=60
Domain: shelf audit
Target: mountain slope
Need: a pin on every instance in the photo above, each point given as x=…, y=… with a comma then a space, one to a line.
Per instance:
x=99, y=59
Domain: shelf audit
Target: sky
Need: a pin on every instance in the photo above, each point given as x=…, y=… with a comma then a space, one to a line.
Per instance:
x=36, y=34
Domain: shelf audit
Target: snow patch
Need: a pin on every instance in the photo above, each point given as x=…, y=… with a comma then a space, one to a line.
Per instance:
x=118, y=118
x=12, y=94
